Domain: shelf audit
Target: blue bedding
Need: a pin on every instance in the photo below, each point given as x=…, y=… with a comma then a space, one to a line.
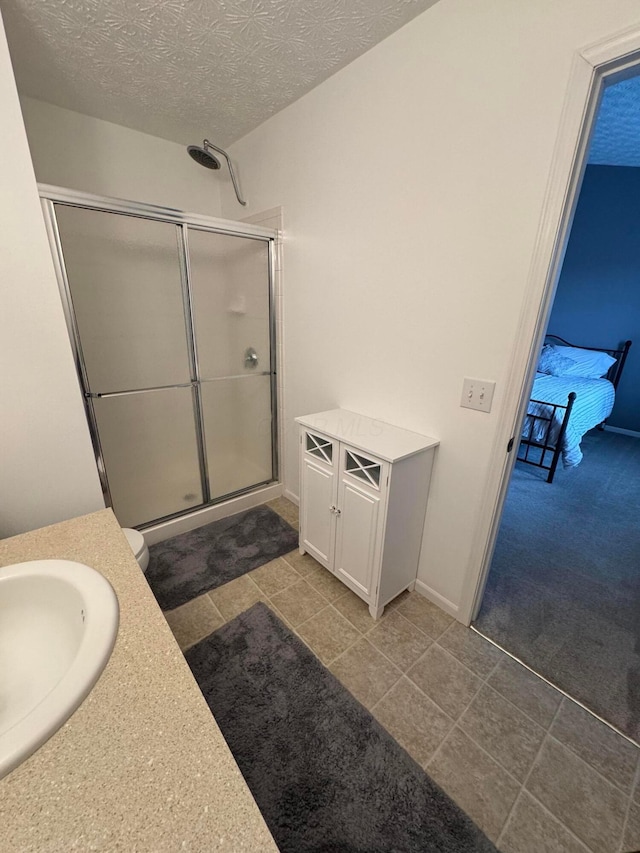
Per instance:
x=593, y=404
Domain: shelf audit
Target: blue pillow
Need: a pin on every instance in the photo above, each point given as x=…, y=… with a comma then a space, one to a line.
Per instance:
x=554, y=362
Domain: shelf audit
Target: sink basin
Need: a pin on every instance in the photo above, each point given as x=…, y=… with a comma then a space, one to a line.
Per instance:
x=58, y=626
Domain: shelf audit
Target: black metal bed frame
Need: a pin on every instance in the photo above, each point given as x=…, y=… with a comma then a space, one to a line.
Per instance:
x=546, y=445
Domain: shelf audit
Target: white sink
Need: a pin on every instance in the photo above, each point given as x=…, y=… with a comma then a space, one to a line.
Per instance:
x=58, y=626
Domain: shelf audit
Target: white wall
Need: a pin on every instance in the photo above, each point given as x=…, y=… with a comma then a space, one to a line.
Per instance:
x=412, y=185
x=47, y=471
x=73, y=150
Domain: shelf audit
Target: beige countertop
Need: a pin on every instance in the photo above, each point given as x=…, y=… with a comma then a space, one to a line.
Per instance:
x=142, y=764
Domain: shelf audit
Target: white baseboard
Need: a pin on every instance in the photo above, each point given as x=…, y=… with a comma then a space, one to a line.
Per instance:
x=632, y=432
x=167, y=529
x=442, y=602
x=291, y=497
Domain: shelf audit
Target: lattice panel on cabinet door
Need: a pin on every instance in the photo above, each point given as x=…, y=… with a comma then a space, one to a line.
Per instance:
x=363, y=469
x=319, y=447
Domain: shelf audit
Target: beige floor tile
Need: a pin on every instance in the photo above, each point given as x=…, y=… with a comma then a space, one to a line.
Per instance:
x=601, y=747
x=531, y=694
x=285, y=508
x=632, y=831
x=326, y=583
x=328, y=634
x=280, y=616
x=416, y=722
x=194, y=620
x=274, y=576
x=507, y=734
x=299, y=602
x=302, y=563
x=472, y=649
x=365, y=672
x=399, y=640
x=357, y=612
x=236, y=596
x=445, y=680
x=591, y=807
x=425, y=615
x=475, y=782
x=532, y=829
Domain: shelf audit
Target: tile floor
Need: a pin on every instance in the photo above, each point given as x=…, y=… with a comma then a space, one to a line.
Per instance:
x=535, y=771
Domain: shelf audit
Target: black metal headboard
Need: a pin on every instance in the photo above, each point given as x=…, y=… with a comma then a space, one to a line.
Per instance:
x=615, y=371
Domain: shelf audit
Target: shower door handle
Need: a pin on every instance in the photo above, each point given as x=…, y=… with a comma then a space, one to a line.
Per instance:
x=251, y=358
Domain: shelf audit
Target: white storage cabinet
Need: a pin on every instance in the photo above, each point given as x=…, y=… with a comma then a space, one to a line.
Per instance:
x=363, y=496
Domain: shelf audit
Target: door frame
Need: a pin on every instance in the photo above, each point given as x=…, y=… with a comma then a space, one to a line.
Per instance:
x=594, y=67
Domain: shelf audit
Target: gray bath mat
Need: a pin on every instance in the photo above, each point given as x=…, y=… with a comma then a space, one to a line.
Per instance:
x=192, y=563
x=325, y=775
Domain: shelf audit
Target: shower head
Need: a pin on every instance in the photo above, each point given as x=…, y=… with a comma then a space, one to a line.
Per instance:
x=204, y=157
x=200, y=155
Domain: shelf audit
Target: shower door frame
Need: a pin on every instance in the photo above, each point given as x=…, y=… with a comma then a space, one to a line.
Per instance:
x=50, y=196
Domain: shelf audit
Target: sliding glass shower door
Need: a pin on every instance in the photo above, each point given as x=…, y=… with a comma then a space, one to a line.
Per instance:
x=172, y=327
x=233, y=349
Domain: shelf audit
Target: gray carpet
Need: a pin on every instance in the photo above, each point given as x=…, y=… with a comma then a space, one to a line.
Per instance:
x=325, y=775
x=192, y=563
x=563, y=593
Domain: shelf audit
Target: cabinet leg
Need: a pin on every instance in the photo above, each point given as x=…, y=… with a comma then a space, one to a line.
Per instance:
x=376, y=612
x=301, y=549
x=411, y=586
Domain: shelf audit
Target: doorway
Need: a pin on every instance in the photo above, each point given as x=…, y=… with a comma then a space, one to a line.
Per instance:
x=609, y=65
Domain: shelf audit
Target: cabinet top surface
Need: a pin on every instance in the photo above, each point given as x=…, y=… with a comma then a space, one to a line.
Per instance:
x=384, y=440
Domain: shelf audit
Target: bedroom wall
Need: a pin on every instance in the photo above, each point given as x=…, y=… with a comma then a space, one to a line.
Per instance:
x=78, y=151
x=412, y=185
x=598, y=297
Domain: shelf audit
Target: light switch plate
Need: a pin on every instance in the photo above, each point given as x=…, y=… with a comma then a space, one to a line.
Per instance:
x=477, y=394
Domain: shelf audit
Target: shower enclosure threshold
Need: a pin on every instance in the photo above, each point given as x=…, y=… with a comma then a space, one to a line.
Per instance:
x=165, y=528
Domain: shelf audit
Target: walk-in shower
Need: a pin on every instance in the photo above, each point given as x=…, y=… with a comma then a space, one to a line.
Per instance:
x=171, y=319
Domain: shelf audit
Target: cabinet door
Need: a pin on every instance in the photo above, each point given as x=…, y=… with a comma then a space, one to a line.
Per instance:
x=357, y=538
x=317, y=524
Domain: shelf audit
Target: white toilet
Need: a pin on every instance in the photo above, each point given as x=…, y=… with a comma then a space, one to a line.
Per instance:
x=138, y=546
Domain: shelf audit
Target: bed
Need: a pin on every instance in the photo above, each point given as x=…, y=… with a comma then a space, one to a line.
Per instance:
x=573, y=392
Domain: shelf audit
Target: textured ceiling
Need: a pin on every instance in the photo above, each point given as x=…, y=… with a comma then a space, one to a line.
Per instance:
x=616, y=138
x=185, y=69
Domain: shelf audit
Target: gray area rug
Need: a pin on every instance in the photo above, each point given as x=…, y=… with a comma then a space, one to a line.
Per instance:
x=563, y=593
x=325, y=775
x=193, y=563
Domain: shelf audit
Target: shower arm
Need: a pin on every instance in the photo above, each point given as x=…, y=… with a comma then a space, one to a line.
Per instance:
x=206, y=144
